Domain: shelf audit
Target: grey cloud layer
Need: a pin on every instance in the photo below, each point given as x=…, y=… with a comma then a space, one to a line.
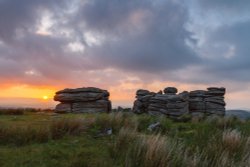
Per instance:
x=233, y=41
x=231, y=5
x=135, y=36
x=23, y=15
x=156, y=42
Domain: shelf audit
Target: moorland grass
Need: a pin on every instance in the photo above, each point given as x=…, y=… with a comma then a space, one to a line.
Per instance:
x=71, y=140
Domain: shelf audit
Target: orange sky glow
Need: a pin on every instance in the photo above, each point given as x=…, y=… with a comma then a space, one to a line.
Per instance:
x=121, y=95
x=27, y=92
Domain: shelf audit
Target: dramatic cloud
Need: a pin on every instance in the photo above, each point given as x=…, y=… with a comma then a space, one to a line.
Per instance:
x=124, y=45
x=22, y=16
x=230, y=47
x=131, y=35
x=223, y=39
x=139, y=35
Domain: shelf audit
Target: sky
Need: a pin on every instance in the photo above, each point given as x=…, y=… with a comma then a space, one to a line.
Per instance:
x=123, y=46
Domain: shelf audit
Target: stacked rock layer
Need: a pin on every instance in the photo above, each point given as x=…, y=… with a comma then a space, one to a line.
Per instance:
x=172, y=104
x=143, y=100
x=207, y=102
x=83, y=100
x=169, y=103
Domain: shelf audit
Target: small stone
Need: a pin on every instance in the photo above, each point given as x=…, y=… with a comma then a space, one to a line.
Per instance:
x=170, y=90
x=160, y=92
x=154, y=126
x=142, y=92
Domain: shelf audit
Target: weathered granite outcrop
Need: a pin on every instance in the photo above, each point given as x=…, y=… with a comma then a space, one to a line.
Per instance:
x=142, y=103
x=83, y=100
x=208, y=102
x=172, y=104
x=169, y=103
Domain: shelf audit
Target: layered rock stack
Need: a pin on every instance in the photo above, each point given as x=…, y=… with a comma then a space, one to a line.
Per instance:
x=169, y=103
x=142, y=101
x=207, y=102
x=83, y=100
x=172, y=104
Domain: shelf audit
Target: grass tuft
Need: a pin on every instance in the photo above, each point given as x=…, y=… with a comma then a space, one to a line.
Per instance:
x=231, y=139
x=62, y=127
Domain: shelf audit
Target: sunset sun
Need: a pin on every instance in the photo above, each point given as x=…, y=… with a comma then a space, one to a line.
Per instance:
x=45, y=97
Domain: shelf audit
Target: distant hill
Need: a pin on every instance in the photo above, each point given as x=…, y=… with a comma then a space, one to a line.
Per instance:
x=242, y=114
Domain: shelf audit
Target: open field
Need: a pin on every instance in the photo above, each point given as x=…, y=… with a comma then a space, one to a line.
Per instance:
x=69, y=140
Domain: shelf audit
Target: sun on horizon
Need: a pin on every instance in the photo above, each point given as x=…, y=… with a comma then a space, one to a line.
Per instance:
x=45, y=97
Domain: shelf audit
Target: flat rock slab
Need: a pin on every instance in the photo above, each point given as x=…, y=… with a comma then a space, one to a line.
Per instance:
x=216, y=89
x=84, y=89
x=79, y=97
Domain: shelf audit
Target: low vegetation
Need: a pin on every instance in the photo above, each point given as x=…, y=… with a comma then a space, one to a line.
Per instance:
x=45, y=139
x=21, y=111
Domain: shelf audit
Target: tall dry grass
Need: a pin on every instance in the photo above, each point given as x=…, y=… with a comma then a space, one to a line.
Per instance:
x=62, y=127
x=21, y=135
x=155, y=150
x=230, y=149
x=231, y=139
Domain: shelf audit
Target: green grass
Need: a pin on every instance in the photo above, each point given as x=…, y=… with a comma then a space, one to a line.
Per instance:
x=69, y=151
x=69, y=140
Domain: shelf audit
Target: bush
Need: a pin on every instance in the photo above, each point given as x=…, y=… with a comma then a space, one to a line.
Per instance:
x=231, y=139
x=23, y=135
x=10, y=111
x=62, y=127
x=156, y=150
x=54, y=130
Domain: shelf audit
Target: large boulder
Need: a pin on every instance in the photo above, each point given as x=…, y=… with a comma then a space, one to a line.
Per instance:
x=83, y=100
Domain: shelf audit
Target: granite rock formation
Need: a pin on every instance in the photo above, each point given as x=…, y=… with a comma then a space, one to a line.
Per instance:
x=169, y=103
x=207, y=102
x=143, y=100
x=175, y=105
x=83, y=100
